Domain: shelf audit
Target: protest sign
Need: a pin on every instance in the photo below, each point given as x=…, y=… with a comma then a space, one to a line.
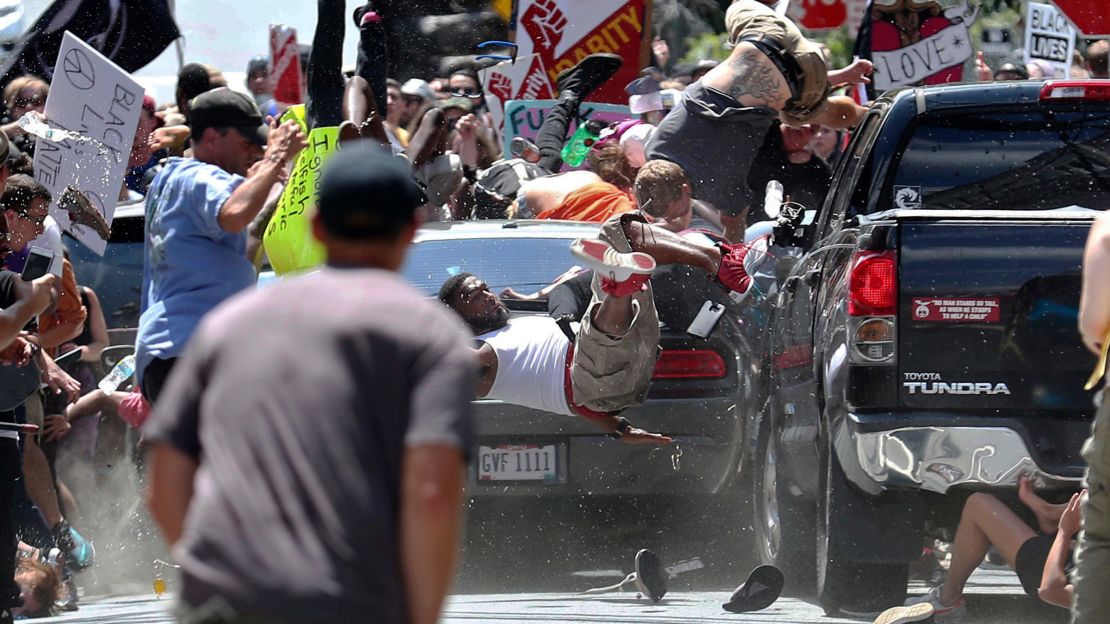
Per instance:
x=523, y=118
x=552, y=36
x=288, y=238
x=933, y=52
x=1049, y=37
x=92, y=97
x=819, y=14
x=285, y=65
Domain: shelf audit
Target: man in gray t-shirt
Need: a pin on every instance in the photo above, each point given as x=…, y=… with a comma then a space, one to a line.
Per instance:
x=309, y=449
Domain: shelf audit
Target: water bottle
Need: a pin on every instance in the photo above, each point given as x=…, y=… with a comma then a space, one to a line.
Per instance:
x=30, y=124
x=574, y=152
x=123, y=371
x=772, y=200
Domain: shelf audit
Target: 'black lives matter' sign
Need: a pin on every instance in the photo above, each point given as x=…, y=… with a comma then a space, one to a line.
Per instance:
x=96, y=100
x=1049, y=37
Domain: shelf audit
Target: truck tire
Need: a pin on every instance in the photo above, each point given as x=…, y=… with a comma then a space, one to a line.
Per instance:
x=782, y=524
x=844, y=583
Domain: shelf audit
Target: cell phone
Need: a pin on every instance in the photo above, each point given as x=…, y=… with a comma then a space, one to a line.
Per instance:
x=706, y=319
x=38, y=264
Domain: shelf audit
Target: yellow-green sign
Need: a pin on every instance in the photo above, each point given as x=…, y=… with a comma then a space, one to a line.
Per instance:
x=288, y=239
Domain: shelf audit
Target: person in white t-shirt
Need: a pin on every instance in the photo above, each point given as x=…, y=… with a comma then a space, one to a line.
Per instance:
x=606, y=365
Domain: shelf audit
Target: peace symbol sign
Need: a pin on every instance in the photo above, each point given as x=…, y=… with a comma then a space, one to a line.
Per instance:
x=78, y=69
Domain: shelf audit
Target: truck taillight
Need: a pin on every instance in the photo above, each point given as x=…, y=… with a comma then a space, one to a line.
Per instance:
x=1075, y=90
x=873, y=284
x=872, y=307
x=689, y=364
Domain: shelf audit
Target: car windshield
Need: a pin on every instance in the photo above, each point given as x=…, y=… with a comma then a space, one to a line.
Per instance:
x=1034, y=160
x=523, y=264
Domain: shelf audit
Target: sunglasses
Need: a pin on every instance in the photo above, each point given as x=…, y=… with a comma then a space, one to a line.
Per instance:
x=466, y=93
x=34, y=100
x=23, y=214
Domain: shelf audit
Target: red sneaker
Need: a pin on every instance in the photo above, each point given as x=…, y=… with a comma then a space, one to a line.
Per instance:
x=731, y=274
x=621, y=274
x=631, y=286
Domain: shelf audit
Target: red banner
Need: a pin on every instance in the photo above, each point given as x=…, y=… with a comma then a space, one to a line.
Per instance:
x=285, y=65
x=552, y=36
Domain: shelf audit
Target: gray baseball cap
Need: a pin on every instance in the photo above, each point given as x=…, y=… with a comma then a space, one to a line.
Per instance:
x=419, y=88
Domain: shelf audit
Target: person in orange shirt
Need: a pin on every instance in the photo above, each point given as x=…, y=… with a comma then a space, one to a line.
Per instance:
x=584, y=198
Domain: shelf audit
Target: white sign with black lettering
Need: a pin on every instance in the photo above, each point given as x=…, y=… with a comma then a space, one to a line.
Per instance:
x=1049, y=37
x=927, y=56
x=92, y=97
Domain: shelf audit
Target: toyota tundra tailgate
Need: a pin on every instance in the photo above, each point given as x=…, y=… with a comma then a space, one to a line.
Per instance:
x=988, y=310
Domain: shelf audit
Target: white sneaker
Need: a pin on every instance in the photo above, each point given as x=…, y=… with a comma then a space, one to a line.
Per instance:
x=944, y=613
x=609, y=262
x=904, y=615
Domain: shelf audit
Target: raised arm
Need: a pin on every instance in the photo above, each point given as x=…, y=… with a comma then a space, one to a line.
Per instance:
x=34, y=298
x=248, y=199
x=856, y=73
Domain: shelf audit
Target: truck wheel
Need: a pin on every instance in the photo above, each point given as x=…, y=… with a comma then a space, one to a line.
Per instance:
x=845, y=584
x=782, y=523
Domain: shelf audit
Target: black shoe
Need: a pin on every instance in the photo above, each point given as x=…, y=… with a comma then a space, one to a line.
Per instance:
x=589, y=74
x=760, y=591
x=649, y=580
x=360, y=13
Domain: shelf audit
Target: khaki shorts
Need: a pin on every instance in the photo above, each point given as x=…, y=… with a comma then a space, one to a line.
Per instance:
x=1092, y=557
x=749, y=18
x=33, y=407
x=609, y=374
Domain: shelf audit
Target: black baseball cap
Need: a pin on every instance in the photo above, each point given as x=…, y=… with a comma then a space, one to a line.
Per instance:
x=367, y=193
x=224, y=108
x=258, y=65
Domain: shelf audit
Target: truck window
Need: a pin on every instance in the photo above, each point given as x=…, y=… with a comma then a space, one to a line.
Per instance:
x=855, y=170
x=991, y=160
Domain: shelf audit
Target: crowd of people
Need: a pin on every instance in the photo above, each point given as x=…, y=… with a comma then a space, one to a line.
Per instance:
x=272, y=513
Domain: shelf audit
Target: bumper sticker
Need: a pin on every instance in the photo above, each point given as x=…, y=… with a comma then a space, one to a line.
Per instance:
x=963, y=310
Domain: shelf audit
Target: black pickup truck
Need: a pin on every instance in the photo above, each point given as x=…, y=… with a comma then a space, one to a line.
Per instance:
x=924, y=341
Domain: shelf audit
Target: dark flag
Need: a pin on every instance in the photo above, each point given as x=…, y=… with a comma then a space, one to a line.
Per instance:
x=863, y=93
x=131, y=33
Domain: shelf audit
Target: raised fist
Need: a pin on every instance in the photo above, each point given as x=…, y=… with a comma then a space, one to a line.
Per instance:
x=544, y=22
x=500, y=86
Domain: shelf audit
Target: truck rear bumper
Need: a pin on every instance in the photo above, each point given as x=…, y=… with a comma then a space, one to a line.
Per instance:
x=941, y=457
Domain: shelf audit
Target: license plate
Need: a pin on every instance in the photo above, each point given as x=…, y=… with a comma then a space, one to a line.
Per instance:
x=519, y=462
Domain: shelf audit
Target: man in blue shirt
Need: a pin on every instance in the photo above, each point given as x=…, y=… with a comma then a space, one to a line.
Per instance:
x=197, y=213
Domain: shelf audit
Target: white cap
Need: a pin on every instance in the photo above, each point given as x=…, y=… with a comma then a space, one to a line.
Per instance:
x=640, y=104
x=419, y=88
x=656, y=101
x=633, y=141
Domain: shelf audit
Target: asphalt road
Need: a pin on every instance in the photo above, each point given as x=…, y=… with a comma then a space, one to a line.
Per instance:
x=994, y=600
x=532, y=561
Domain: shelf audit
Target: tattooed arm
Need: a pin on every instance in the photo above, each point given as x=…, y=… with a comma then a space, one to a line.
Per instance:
x=751, y=78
